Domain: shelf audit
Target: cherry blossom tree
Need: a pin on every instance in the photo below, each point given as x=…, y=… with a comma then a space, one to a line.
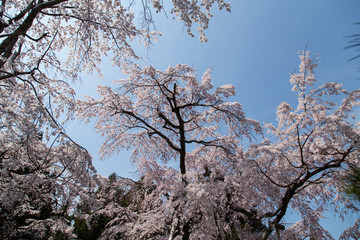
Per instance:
x=221, y=189
x=33, y=32
x=165, y=117
x=302, y=165
x=44, y=45
x=197, y=180
x=43, y=171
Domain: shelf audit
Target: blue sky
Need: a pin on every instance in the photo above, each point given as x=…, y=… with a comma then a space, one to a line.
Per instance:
x=254, y=47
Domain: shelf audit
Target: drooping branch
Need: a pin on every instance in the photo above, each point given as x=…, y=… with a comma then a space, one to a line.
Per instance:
x=297, y=186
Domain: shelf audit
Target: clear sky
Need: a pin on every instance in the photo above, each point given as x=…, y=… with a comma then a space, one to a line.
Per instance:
x=254, y=47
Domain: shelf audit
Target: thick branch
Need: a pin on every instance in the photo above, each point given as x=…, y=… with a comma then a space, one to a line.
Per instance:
x=131, y=114
x=294, y=187
x=8, y=44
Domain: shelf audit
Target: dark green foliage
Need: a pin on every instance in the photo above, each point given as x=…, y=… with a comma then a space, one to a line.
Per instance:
x=81, y=230
x=113, y=177
x=97, y=227
x=352, y=183
x=61, y=236
x=354, y=43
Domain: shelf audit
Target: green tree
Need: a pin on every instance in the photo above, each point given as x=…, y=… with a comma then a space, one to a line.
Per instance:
x=352, y=183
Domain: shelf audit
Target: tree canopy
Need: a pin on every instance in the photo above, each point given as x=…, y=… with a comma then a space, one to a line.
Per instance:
x=44, y=172
x=223, y=189
x=206, y=171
